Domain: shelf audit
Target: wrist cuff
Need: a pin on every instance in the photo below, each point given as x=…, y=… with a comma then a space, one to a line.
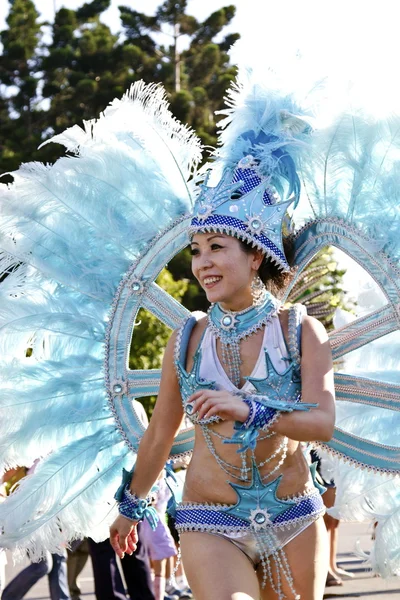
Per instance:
x=137, y=509
x=260, y=416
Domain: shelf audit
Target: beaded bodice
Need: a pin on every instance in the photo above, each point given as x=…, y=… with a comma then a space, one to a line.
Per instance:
x=277, y=370
x=280, y=382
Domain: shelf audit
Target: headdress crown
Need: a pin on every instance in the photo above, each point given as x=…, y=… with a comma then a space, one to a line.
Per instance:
x=245, y=203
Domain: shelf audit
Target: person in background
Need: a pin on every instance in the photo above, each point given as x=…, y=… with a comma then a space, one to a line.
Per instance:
x=136, y=568
x=76, y=561
x=160, y=543
x=52, y=565
x=335, y=573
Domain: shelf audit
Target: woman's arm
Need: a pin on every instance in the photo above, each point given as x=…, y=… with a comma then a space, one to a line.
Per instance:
x=164, y=424
x=153, y=450
x=316, y=387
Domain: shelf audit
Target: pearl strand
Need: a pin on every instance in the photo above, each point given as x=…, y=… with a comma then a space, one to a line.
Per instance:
x=282, y=565
x=231, y=358
x=282, y=449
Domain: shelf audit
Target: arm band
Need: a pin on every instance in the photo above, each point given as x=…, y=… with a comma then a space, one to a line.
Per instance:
x=137, y=509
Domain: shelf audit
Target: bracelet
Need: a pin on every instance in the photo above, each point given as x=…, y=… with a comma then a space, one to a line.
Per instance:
x=260, y=416
x=136, y=509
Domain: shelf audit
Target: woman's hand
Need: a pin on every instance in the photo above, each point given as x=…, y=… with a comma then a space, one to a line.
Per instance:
x=123, y=536
x=207, y=403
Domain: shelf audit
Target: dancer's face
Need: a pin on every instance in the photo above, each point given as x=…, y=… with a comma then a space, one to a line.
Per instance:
x=223, y=269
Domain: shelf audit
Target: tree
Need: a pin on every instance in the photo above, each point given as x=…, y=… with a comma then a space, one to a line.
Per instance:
x=47, y=88
x=197, y=78
x=81, y=72
x=20, y=127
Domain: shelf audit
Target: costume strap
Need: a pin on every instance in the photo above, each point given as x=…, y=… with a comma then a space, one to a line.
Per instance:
x=182, y=340
x=296, y=315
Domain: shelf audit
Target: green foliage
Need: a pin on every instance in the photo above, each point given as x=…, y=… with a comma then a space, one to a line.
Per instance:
x=48, y=86
x=21, y=122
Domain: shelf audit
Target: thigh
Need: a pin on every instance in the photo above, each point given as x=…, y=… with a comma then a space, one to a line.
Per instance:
x=216, y=569
x=307, y=556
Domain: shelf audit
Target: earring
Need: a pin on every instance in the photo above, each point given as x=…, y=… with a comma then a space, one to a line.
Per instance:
x=258, y=290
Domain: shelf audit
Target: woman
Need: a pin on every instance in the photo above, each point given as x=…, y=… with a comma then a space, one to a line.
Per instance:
x=246, y=334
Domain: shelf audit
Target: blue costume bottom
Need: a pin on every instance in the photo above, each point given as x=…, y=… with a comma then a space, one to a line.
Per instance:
x=260, y=538
x=211, y=518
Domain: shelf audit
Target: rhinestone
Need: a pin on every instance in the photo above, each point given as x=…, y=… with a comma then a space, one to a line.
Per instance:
x=227, y=320
x=135, y=286
x=233, y=208
x=189, y=409
x=117, y=388
x=246, y=161
x=202, y=210
x=255, y=223
x=260, y=518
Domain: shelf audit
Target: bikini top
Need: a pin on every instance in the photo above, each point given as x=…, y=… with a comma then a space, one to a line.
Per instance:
x=278, y=364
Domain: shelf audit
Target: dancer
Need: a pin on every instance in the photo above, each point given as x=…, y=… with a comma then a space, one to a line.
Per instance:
x=85, y=239
x=229, y=494
x=236, y=373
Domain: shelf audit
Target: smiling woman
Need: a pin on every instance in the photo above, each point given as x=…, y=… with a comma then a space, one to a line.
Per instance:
x=255, y=380
x=219, y=261
x=83, y=242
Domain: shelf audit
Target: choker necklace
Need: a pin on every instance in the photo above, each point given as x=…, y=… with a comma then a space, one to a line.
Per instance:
x=230, y=327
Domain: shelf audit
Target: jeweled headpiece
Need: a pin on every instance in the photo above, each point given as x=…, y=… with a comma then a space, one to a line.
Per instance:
x=259, y=175
x=242, y=205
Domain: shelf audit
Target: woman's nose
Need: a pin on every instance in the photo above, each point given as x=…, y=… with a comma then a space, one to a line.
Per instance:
x=205, y=262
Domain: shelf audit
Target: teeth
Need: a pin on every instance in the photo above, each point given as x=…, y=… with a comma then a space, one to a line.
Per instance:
x=211, y=279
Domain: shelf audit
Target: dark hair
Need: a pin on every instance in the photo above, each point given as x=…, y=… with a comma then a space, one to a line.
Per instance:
x=273, y=278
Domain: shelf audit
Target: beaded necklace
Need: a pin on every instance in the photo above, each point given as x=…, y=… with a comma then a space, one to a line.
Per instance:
x=231, y=327
x=243, y=472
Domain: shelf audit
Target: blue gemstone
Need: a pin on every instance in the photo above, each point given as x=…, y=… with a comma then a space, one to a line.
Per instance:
x=227, y=320
x=256, y=223
x=189, y=409
x=260, y=518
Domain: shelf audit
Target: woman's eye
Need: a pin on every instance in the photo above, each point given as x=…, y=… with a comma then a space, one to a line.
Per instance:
x=215, y=246
x=194, y=251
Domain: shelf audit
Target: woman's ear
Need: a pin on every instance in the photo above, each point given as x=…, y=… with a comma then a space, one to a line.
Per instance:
x=258, y=257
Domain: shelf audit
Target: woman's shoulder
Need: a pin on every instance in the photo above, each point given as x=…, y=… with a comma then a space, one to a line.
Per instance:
x=198, y=325
x=310, y=327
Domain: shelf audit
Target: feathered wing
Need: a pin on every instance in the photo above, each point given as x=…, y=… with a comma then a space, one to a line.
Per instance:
x=68, y=234
x=350, y=173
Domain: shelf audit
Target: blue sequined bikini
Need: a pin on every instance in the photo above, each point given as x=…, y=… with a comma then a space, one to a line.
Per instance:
x=260, y=524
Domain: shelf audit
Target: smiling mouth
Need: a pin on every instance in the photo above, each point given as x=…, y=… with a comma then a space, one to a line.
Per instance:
x=209, y=282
